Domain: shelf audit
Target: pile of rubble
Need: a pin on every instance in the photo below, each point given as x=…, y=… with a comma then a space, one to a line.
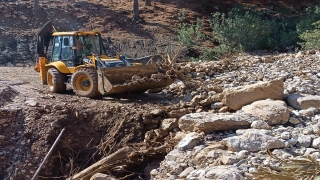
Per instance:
x=269, y=102
x=219, y=120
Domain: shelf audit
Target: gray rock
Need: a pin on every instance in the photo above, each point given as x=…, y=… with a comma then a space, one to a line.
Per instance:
x=292, y=141
x=32, y=103
x=304, y=140
x=224, y=173
x=308, y=112
x=316, y=143
x=242, y=154
x=210, y=122
x=186, y=172
x=271, y=111
x=285, y=135
x=260, y=125
x=216, y=105
x=294, y=120
x=299, y=101
x=316, y=128
x=198, y=174
x=253, y=140
x=189, y=141
x=229, y=159
x=242, y=162
x=169, y=124
x=235, y=98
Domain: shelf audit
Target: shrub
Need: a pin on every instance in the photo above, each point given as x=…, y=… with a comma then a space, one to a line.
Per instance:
x=182, y=15
x=307, y=18
x=246, y=30
x=311, y=38
x=190, y=34
x=242, y=31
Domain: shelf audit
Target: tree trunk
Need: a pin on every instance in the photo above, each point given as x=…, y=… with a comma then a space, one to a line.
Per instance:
x=135, y=10
x=148, y=2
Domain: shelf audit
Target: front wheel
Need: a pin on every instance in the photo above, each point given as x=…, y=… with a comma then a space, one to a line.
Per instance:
x=56, y=81
x=85, y=83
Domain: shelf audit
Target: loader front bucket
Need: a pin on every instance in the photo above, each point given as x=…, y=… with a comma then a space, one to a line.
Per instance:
x=135, y=79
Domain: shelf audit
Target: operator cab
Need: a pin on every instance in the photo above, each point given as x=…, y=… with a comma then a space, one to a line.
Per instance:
x=71, y=47
x=75, y=48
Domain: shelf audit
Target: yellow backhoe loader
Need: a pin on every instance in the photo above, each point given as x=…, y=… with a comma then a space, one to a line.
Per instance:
x=79, y=58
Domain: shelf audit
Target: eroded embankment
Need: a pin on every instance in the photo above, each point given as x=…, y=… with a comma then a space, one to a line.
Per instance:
x=92, y=131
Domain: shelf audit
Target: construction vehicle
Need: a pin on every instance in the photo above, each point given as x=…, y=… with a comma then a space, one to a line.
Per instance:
x=80, y=58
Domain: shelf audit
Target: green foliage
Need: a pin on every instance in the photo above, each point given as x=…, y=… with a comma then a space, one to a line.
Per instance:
x=246, y=30
x=284, y=33
x=311, y=38
x=242, y=31
x=307, y=18
x=208, y=54
x=182, y=15
x=190, y=34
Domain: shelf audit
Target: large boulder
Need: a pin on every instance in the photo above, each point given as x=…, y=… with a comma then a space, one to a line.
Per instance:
x=272, y=111
x=253, y=140
x=209, y=122
x=299, y=101
x=237, y=97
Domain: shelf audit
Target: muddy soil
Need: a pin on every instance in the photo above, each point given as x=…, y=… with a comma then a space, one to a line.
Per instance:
x=32, y=119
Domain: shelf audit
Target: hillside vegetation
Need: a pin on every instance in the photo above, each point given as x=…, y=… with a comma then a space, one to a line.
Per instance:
x=207, y=30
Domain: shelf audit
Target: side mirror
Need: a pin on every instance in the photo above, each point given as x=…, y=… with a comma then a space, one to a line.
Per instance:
x=65, y=41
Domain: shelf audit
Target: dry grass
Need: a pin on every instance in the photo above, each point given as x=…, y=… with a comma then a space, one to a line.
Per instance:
x=306, y=168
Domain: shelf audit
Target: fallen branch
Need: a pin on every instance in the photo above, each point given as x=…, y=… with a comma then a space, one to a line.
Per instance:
x=124, y=157
x=104, y=164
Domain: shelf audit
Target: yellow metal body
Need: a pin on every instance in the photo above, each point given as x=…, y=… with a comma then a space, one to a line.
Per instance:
x=42, y=66
x=110, y=80
x=79, y=83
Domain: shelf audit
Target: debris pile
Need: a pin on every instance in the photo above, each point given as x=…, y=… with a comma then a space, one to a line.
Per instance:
x=231, y=119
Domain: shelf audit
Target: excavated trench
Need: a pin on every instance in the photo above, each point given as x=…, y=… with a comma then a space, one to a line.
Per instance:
x=91, y=134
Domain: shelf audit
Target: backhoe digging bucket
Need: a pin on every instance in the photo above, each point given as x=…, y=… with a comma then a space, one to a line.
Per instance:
x=135, y=79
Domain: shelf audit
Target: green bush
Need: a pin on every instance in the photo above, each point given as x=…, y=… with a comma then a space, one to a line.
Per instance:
x=307, y=18
x=311, y=38
x=242, y=31
x=246, y=30
x=284, y=33
x=182, y=15
x=190, y=34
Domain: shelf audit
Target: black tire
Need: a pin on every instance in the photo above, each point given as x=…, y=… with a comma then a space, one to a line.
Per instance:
x=56, y=81
x=85, y=83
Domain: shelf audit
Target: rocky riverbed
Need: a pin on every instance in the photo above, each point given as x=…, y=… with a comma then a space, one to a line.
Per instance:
x=231, y=119
x=267, y=114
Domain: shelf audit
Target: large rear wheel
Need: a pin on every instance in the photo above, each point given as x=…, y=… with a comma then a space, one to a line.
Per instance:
x=85, y=83
x=56, y=81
